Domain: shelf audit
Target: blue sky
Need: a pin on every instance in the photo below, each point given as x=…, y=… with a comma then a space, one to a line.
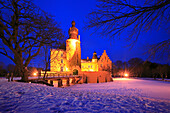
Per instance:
x=67, y=10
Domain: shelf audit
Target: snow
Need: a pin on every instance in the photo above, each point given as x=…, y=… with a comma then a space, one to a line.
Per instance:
x=131, y=87
x=122, y=95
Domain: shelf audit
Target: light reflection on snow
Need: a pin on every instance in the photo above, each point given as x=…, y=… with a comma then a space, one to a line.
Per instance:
x=122, y=79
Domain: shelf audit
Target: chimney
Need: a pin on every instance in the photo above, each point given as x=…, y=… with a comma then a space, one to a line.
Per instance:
x=87, y=58
x=78, y=37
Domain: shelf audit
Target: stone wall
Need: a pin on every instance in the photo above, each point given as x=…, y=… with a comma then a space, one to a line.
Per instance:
x=96, y=77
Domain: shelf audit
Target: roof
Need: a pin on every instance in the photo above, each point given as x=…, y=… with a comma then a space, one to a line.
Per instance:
x=85, y=60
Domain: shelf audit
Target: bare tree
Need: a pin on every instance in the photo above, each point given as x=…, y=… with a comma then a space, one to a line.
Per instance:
x=112, y=17
x=3, y=71
x=51, y=56
x=24, y=29
x=11, y=68
x=119, y=64
x=135, y=66
x=160, y=70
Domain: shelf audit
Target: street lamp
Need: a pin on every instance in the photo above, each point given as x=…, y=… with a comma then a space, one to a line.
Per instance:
x=34, y=74
x=126, y=75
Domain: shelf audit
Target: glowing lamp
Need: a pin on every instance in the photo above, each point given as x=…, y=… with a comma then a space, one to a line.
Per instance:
x=34, y=74
x=126, y=75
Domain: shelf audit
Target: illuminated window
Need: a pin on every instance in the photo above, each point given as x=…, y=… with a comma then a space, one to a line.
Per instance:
x=61, y=54
x=61, y=60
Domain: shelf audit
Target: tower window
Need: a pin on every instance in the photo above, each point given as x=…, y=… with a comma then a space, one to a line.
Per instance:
x=61, y=69
x=61, y=60
x=61, y=54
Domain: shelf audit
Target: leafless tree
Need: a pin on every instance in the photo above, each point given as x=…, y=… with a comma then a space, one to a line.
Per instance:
x=135, y=66
x=112, y=17
x=162, y=70
x=24, y=29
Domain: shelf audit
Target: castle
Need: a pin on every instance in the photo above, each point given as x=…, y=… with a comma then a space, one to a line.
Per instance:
x=69, y=61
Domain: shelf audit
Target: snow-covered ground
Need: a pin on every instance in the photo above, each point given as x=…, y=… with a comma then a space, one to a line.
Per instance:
x=122, y=95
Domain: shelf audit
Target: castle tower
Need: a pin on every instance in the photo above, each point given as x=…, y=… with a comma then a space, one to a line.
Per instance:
x=94, y=59
x=73, y=50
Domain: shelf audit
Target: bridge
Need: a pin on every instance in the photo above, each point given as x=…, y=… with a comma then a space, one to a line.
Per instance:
x=58, y=81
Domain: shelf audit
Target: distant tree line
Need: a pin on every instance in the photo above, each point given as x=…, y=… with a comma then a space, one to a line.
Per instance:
x=12, y=69
x=136, y=67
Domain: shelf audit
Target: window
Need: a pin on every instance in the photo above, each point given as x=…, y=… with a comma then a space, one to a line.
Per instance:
x=61, y=60
x=107, y=65
x=61, y=69
x=61, y=54
x=82, y=66
x=91, y=66
x=88, y=66
x=101, y=65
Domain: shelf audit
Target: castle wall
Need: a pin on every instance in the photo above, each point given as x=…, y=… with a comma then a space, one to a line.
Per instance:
x=96, y=77
x=89, y=66
x=58, y=61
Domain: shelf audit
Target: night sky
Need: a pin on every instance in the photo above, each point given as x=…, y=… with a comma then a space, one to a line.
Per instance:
x=67, y=10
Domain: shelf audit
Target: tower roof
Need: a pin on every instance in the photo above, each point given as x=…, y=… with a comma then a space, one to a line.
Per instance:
x=94, y=55
x=73, y=23
x=73, y=31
